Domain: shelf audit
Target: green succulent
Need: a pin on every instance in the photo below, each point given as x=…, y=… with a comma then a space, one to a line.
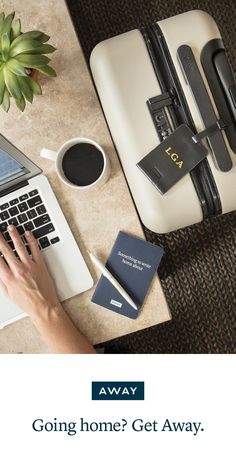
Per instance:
x=19, y=54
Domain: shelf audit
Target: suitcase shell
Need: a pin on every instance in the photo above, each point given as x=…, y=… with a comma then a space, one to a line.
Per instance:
x=125, y=79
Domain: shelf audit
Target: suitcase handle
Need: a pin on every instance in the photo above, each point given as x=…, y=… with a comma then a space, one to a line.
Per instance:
x=222, y=84
x=226, y=79
x=194, y=80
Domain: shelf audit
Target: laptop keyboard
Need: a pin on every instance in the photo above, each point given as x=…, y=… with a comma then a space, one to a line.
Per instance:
x=28, y=213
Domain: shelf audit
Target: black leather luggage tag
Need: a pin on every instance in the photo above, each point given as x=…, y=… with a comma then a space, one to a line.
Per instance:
x=177, y=155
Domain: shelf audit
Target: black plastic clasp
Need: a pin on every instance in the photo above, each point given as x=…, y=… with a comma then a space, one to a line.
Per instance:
x=160, y=101
x=210, y=131
x=156, y=106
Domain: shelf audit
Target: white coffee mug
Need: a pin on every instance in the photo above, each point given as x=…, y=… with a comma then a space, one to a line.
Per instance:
x=58, y=156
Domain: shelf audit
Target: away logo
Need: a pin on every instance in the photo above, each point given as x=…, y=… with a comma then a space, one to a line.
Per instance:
x=117, y=390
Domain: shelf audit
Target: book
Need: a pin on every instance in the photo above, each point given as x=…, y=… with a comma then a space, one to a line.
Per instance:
x=133, y=262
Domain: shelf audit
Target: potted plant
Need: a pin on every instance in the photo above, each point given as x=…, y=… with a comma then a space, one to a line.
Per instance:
x=21, y=54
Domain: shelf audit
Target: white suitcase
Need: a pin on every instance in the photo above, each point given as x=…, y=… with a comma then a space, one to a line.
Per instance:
x=136, y=71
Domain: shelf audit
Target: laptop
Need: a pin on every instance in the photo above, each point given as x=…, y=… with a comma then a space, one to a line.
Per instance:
x=28, y=202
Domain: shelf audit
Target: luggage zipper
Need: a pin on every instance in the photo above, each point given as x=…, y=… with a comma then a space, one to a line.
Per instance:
x=173, y=100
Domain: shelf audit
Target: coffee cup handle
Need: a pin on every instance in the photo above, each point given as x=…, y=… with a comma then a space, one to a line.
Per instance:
x=48, y=154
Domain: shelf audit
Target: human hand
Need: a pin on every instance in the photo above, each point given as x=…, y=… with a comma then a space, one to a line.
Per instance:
x=25, y=280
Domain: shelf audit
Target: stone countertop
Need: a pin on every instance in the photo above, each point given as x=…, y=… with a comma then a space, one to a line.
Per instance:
x=69, y=108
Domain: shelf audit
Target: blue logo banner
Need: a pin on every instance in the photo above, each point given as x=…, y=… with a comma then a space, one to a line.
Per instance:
x=117, y=390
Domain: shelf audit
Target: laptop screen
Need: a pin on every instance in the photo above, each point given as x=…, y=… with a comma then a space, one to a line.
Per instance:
x=10, y=169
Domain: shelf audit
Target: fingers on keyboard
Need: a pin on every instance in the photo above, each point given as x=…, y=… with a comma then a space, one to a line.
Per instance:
x=28, y=213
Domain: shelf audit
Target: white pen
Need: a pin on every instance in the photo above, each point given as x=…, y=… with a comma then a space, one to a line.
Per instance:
x=112, y=280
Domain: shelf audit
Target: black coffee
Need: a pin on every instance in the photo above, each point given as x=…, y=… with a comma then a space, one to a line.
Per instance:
x=83, y=164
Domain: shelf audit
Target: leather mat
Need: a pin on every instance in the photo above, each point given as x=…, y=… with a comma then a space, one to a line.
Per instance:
x=198, y=273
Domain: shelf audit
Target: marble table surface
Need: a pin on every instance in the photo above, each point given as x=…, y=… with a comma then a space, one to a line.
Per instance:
x=69, y=108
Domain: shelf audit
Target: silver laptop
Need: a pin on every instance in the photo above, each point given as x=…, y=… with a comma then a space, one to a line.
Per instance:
x=28, y=202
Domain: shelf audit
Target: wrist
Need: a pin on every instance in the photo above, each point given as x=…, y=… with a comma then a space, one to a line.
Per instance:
x=43, y=310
